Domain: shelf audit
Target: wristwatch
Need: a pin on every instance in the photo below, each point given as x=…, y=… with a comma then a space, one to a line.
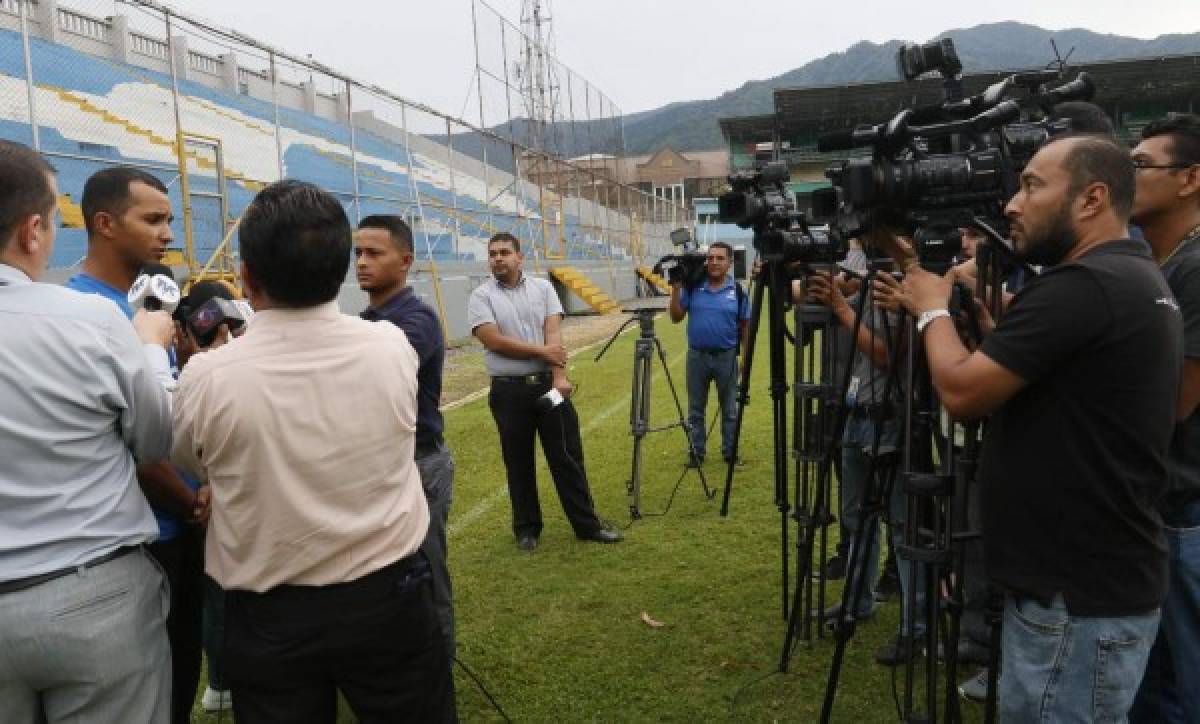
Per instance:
x=928, y=316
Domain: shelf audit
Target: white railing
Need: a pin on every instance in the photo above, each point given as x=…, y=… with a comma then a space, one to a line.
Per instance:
x=85, y=25
x=204, y=63
x=245, y=75
x=13, y=7
x=146, y=45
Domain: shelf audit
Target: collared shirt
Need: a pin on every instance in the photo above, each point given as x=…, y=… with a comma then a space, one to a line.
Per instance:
x=420, y=324
x=519, y=312
x=168, y=524
x=80, y=403
x=304, y=428
x=714, y=315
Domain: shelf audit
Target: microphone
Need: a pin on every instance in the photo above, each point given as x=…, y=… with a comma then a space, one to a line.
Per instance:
x=549, y=401
x=153, y=292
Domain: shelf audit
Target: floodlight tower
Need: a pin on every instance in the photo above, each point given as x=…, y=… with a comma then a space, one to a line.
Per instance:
x=538, y=75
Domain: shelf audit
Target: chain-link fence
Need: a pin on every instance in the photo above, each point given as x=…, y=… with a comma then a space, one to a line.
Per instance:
x=216, y=115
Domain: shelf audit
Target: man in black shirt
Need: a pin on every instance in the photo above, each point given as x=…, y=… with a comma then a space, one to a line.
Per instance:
x=383, y=249
x=1080, y=377
x=1167, y=208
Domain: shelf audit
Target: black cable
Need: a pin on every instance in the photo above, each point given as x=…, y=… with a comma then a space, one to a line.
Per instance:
x=482, y=688
x=733, y=700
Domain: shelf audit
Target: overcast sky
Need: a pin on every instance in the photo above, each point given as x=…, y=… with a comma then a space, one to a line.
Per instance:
x=642, y=53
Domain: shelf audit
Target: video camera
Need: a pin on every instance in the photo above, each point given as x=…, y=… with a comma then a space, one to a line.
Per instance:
x=760, y=200
x=685, y=267
x=935, y=169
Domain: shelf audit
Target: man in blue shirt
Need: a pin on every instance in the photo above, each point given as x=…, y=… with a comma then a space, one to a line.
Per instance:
x=719, y=312
x=383, y=249
x=128, y=214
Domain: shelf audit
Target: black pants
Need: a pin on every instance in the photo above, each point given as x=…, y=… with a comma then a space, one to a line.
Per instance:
x=513, y=404
x=376, y=639
x=182, y=559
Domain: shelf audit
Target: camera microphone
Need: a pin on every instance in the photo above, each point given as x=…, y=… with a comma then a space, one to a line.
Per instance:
x=154, y=292
x=1080, y=89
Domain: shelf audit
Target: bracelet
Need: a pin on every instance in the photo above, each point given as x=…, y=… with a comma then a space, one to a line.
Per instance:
x=928, y=316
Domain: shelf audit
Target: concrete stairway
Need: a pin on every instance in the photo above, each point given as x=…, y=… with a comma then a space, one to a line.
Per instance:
x=572, y=279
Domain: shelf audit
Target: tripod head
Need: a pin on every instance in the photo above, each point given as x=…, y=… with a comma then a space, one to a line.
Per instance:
x=645, y=319
x=644, y=313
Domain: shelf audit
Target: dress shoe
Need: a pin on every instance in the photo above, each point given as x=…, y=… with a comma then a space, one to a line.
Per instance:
x=527, y=543
x=833, y=614
x=601, y=535
x=835, y=568
x=898, y=650
x=975, y=688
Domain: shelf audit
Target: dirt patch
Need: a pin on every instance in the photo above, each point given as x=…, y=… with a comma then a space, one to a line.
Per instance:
x=464, y=373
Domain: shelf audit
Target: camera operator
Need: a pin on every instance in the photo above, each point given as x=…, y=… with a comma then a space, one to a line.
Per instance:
x=1167, y=207
x=82, y=605
x=719, y=313
x=305, y=428
x=127, y=215
x=383, y=249
x=1080, y=377
x=872, y=414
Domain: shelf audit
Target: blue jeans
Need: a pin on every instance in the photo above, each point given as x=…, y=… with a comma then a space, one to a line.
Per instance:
x=1056, y=667
x=857, y=443
x=1170, y=691
x=703, y=367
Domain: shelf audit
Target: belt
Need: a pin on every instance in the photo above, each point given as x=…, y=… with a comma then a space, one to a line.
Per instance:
x=713, y=352
x=21, y=584
x=536, y=378
x=882, y=409
x=429, y=447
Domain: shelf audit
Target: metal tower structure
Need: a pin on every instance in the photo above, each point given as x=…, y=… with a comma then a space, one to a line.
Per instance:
x=537, y=75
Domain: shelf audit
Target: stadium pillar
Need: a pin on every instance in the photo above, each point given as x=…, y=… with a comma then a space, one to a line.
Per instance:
x=179, y=53
x=120, y=38
x=46, y=16
x=229, y=72
x=275, y=108
x=29, y=85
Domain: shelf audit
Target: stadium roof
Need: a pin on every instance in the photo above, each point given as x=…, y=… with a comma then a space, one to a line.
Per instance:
x=1168, y=82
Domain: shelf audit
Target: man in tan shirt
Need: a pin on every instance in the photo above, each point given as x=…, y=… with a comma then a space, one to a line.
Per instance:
x=304, y=427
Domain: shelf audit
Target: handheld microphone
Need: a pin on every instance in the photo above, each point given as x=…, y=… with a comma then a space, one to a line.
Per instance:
x=153, y=292
x=549, y=401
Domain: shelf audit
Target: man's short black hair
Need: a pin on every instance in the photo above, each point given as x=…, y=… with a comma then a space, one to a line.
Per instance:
x=1084, y=117
x=1184, y=130
x=296, y=240
x=722, y=245
x=24, y=187
x=1093, y=158
x=108, y=191
x=396, y=227
x=505, y=236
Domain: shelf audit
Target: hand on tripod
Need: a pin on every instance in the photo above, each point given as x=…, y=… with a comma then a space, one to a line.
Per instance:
x=925, y=291
x=824, y=289
x=889, y=294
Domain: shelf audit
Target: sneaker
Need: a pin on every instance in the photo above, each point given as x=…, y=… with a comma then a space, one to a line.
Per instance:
x=216, y=699
x=835, y=568
x=975, y=688
x=888, y=586
x=833, y=614
x=899, y=650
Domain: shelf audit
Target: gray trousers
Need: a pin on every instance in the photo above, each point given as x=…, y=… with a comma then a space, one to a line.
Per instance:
x=88, y=647
x=437, y=478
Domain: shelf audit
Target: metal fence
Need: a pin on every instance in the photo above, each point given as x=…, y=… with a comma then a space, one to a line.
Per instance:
x=217, y=115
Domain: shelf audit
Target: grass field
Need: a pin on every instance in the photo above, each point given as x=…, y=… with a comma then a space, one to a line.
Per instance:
x=557, y=635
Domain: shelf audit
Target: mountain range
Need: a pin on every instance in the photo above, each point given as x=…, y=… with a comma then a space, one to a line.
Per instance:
x=692, y=125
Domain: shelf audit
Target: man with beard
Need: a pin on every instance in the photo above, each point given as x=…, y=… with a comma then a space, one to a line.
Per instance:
x=1167, y=208
x=518, y=318
x=1080, y=377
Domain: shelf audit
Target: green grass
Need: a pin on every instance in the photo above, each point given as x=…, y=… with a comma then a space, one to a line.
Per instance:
x=557, y=635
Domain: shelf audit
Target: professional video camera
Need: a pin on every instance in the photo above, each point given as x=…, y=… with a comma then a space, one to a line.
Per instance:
x=935, y=169
x=759, y=200
x=685, y=267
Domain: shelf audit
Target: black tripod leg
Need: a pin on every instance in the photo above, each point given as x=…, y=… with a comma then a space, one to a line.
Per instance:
x=639, y=420
x=757, y=291
x=683, y=423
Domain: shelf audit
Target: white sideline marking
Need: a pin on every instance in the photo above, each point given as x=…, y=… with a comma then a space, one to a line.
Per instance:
x=490, y=500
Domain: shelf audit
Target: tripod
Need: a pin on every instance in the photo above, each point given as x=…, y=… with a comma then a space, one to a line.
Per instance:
x=645, y=348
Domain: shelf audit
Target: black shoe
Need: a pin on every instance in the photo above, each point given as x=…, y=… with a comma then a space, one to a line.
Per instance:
x=888, y=586
x=601, y=535
x=970, y=652
x=835, y=568
x=834, y=613
x=527, y=542
x=900, y=649
x=694, y=461
x=737, y=462
x=975, y=688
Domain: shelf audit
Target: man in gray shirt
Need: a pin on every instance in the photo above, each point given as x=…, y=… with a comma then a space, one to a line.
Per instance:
x=82, y=606
x=517, y=318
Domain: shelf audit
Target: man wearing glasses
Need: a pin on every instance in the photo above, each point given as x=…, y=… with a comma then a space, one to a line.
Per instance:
x=1167, y=208
x=716, y=330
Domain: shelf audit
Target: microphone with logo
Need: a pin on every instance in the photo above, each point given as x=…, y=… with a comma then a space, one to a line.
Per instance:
x=154, y=289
